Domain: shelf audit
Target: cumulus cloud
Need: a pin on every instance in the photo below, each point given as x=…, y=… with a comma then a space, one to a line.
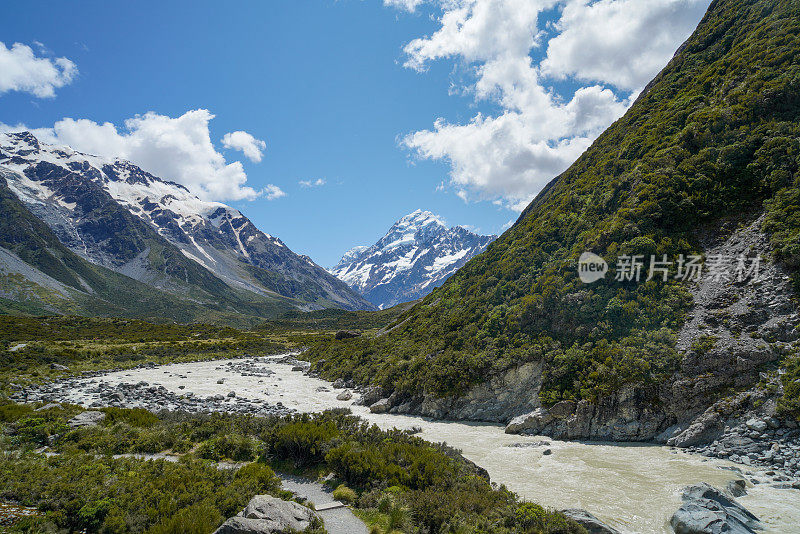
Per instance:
x=177, y=149
x=251, y=147
x=22, y=70
x=510, y=155
x=312, y=183
x=621, y=42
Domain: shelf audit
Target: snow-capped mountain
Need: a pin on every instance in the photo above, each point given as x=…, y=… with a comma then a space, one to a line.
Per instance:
x=417, y=254
x=116, y=215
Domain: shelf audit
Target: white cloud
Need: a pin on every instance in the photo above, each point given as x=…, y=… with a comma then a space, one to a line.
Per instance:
x=177, y=149
x=406, y=5
x=249, y=145
x=621, y=42
x=538, y=132
x=272, y=192
x=312, y=183
x=21, y=70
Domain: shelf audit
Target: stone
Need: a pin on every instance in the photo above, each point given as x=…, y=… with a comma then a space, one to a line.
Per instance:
x=737, y=487
x=547, y=452
x=221, y=381
x=372, y=395
x=232, y=395
x=86, y=419
x=589, y=521
x=706, y=510
x=756, y=424
x=58, y=367
x=563, y=409
x=344, y=395
x=48, y=407
x=265, y=514
x=382, y=406
x=530, y=423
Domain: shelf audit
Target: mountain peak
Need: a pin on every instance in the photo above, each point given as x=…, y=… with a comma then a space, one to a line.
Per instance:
x=418, y=253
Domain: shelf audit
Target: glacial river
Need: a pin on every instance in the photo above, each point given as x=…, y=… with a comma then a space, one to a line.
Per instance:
x=633, y=487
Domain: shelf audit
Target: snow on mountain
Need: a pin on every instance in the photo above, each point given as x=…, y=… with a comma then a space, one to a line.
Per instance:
x=87, y=201
x=417, y=254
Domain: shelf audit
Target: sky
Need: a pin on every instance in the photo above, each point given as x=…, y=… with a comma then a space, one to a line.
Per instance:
x=324, y=121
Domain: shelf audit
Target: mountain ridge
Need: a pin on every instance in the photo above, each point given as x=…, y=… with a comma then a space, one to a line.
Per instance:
x=113, y=214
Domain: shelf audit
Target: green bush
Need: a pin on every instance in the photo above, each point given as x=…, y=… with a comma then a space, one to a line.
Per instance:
x=345, y=494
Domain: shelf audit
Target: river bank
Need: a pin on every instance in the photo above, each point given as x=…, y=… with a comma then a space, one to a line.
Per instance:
x=633, y=487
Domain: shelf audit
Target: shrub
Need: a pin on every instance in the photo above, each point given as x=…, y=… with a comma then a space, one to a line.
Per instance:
x=345, y=494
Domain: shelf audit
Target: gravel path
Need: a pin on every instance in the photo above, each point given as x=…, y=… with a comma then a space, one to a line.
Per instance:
x=337, y=520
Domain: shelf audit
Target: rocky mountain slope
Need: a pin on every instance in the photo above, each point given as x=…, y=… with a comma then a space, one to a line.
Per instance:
x=705, y=163
x=416, y=255
x=115, y=215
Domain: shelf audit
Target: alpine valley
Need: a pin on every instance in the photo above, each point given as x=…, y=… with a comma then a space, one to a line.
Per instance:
x=417, y=254
x=83, y=234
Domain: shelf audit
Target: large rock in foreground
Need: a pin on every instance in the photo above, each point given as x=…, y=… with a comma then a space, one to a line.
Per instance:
x=706, y=510
x=589, y=521
x=87, y=418
x=265, y=514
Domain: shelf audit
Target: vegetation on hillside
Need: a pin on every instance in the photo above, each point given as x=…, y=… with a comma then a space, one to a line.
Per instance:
x=716, y=135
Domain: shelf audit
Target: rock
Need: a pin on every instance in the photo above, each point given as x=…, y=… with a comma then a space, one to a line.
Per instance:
x=232, y=395
x=547, y=452
x=58, y=367
x=588, y=521
x=265, y=514
x=737, y=487
x=563, y=409
x=756, y=424
x=338, y=383
x=346, y=334
x=382, y=406
x=298, y=368
x=86, y=419
x=706, y=510
x=530, y=423
x=48, y=407
x=221, y=381
x=344, y=395
x=372, y=395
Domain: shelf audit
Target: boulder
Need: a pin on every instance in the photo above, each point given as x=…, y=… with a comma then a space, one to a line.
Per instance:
x=382, y=406
x=563, y=409
x=758, y=425
x=530, y=423
x=737, y=487
x=85, y=419
x=589, y=521
x=265, y=514
x=344, y=395
x=372, y=395
x=706, y=510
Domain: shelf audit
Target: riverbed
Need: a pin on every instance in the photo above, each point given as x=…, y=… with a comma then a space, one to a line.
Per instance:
x=633, y=487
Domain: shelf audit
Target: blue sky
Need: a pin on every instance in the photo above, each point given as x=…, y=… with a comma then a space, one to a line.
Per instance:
x=329, y=88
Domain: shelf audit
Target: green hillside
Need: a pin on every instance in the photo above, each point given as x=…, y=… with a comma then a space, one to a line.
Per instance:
x=715, y=137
